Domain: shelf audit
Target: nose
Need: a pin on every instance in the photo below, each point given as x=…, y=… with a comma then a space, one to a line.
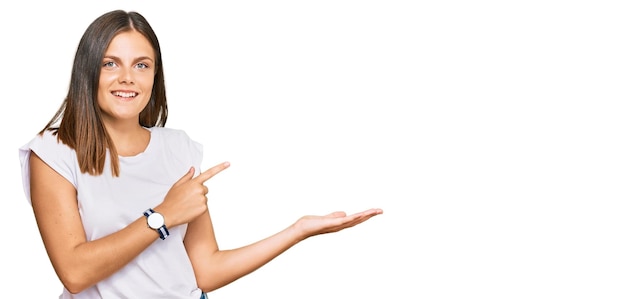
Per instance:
x=126, y=76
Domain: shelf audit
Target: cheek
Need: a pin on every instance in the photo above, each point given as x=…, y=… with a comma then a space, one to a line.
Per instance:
x=146, y=84
x=103, y=89
x=105, y=81
x=146, y=81
x=150, y=80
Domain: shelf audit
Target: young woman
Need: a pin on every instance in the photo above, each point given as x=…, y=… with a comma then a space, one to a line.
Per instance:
x=119, y=199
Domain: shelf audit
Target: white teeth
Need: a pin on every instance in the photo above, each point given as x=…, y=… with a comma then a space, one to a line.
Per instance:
x=125, y=94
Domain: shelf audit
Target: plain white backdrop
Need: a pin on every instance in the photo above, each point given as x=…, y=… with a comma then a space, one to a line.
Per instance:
x=490, y=132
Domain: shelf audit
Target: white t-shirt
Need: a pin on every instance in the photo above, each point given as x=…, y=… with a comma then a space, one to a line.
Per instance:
x=108, y=204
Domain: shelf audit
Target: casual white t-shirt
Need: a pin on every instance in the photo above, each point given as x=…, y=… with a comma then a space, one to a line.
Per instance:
x=108, y=204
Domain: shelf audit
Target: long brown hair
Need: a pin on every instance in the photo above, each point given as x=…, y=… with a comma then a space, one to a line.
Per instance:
x=81, y=126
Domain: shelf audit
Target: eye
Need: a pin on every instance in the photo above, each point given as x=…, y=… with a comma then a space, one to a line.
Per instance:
x=142, y=65
x=109, y=64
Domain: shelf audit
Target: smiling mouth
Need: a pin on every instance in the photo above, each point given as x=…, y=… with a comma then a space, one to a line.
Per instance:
x=126, y=95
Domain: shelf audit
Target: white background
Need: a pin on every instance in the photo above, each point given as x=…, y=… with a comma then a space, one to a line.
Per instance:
x=490, y=132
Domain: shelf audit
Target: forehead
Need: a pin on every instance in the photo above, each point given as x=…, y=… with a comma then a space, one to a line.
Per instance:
x=130, y=43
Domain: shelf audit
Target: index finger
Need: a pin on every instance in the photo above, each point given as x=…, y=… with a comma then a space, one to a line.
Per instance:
x=209, y=173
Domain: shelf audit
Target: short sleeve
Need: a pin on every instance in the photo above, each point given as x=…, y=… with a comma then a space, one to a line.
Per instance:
x=196, y=152
x=181, y=147
x=60, y=157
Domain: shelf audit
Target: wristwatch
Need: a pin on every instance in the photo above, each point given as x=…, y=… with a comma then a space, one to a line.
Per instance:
x=156, y=222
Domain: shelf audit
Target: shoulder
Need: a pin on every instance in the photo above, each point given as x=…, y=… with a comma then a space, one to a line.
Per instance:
x=49, y=148
x=53, y=152
x=170, y=133
x=178, y=146
x=176, y=139
x=47, y=142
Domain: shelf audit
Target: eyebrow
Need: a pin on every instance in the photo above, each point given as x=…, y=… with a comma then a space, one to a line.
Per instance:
x=134, y=60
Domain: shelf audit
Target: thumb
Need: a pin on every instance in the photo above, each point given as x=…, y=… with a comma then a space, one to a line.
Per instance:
x=186, y=177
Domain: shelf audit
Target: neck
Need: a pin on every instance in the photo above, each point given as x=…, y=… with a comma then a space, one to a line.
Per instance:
x=128, y=139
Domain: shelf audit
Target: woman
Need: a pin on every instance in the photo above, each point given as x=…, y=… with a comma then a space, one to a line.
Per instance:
x=118, y=198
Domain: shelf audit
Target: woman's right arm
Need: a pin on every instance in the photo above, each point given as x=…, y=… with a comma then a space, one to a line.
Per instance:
x=78, y=264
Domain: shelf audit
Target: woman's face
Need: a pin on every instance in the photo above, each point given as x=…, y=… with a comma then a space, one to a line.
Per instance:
x=126, y=77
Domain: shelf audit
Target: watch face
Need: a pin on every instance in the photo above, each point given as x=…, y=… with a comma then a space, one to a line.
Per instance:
x=155, y=220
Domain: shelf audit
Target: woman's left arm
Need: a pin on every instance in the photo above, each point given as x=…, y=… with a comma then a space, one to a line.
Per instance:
x=215, y=268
